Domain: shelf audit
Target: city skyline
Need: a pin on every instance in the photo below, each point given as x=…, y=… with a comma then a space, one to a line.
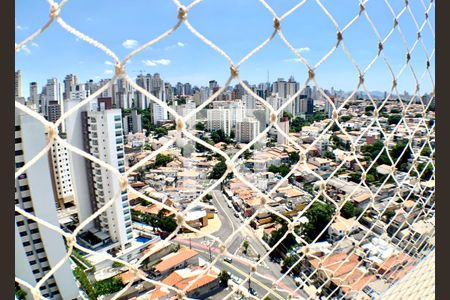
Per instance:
x=183, y=57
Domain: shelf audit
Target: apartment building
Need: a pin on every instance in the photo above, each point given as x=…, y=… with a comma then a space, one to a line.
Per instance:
x=37, y=248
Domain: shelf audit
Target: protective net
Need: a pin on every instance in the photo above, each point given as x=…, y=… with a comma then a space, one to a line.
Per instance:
x=395, y=181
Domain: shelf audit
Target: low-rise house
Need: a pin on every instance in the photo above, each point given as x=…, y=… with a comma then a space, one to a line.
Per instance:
x=200, y=285
x=180, y=259
x=342, y=227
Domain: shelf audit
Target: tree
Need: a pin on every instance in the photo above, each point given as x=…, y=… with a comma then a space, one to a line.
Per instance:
x=319, y=215
x=369, y=108
x=426, y=151
x=247, y=154
x=161, y=131
x=147, y=147
x=20, y=294
x=200, y=126
x=294, y=157
x=288, y=115
x=345, y=119
x=283, y=170
x=218, y=170
x=224, y=276
x=219, y=136
x=245, y=246
x=162, y=160
x=394, y=119
x=288, y=262
x=349, y=210
x=108, y=286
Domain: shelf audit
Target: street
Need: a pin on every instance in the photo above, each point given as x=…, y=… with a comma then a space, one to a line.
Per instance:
x=266, y=274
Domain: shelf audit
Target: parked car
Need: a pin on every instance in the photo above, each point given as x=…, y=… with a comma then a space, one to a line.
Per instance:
x=252, y=291
x=228, y=260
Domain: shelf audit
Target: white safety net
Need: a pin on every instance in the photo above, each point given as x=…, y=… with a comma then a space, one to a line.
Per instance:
x=411, y=195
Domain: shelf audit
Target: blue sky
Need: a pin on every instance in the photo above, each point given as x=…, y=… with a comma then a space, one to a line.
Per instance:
x=236, y=26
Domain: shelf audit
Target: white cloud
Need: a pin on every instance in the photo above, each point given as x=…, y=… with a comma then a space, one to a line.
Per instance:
x=35, y=44
x=163, y=61
x=290, y=60
x=155, y=62
x=107, y=62
x=303, y=49
x=108, y=72
x=177, y=45
x=130, y=44
x=19, y=27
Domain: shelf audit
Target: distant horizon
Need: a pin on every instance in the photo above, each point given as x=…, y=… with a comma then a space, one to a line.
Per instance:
x=26, y=94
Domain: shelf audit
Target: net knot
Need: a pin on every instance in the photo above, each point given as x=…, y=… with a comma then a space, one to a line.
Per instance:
x=273, y=118
x=263, y=201
x=70, y=241
x=363, y=176
x=230, y=165
x=123, y=181
x=361, y=79
x=339, y=37
x=395, y=22
x=54, y=10
x=119, y=69
x=380, y=46
x=180, y=124
x=276, y=24
x=181, y=295
x=375, y=113
x=335, y=115
x=310, y=74
x=222, y=248
x=180, y=219
x=233, y=71
x=182, y=12
x=52, y=132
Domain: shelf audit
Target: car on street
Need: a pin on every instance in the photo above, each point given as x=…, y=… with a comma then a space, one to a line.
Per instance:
x=228, y=260
x=252, y=291
x=236, y=215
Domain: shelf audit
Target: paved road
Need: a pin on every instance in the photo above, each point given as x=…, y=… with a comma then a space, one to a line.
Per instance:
x=266, y=274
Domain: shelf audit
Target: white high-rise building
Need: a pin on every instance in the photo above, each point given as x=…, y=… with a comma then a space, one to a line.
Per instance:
x=280, y=87
x=69, y=85
x=247, y=130
x=184, y=110
x=79, y=93
x=329, y=107
x=106, y=142
x=249, y=101
x=100, y=133
x=284, y=125
x=237, y=112
x=18, y=84
x=124, y=94
x=132, y=123
x=219, y=118
x=52, y=90
x=34, y=97
x=62, y=175
x=37, y=248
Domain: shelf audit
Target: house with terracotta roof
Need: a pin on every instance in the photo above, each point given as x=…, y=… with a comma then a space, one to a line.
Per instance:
x=177, y=260
x=342, y=273
x=197, y=284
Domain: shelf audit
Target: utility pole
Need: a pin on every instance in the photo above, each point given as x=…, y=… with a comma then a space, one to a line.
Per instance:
x=190, y=243
x=210, y=256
